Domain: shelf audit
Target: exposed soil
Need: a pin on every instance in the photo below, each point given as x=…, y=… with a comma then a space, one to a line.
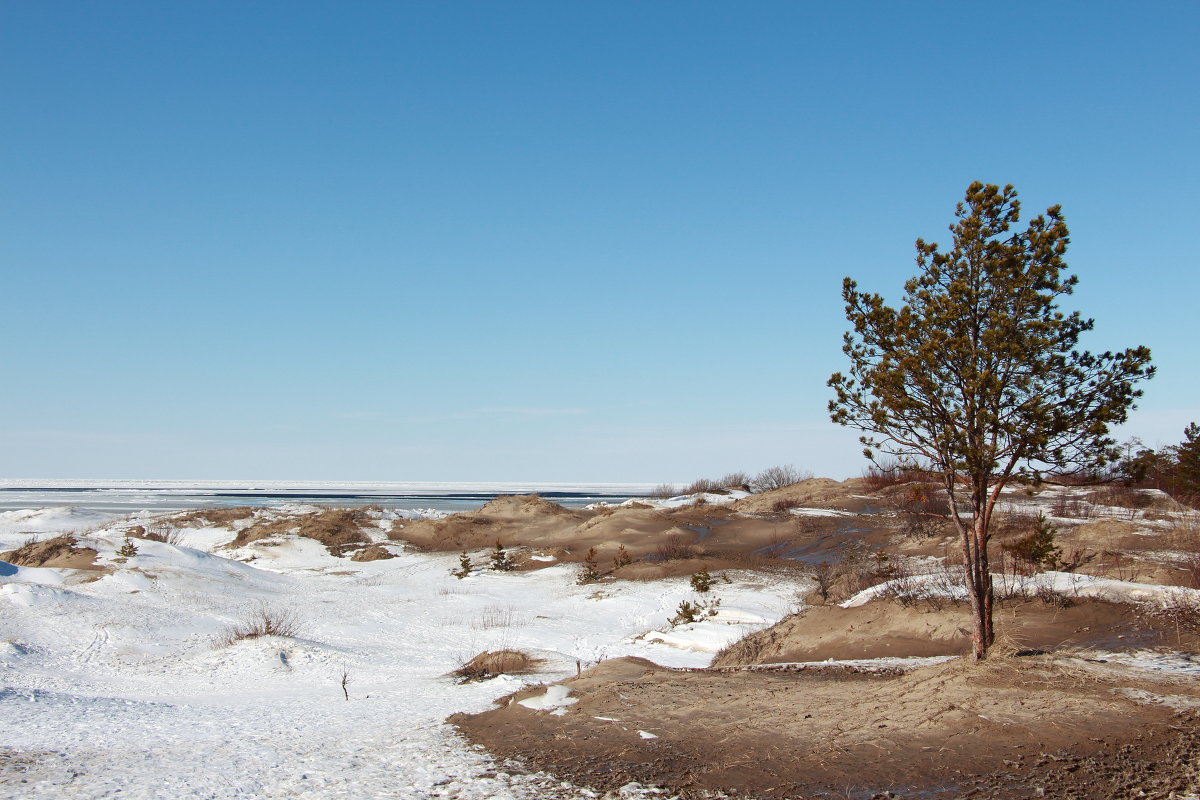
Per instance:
x=1002, y=728
x=718, y=534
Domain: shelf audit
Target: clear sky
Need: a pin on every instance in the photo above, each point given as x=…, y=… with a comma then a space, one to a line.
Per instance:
x=544, y=241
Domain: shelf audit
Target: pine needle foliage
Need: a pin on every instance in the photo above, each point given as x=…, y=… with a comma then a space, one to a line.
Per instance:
x=464, y=566
x=500, y=560
x=977, y=376
x=590, y=571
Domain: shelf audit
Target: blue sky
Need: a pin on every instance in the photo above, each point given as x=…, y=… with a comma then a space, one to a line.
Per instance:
x=544, y=241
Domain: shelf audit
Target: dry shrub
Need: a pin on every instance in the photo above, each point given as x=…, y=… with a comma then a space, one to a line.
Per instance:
x=1181, y=610
x=663, y=491
x=1190, y=565
x=824, y=574
x=159, y=532
x=863, y=568
x=673, y=548
x=1123, y=497
x=786, y=504
x=884, y=475
x=936, y=589
x=1072, y=506
x=263, y=620
x=735, y=480
x=922, y=511
x=35, y=552
x=778, y=477
x=704, y=486
x=492, y=663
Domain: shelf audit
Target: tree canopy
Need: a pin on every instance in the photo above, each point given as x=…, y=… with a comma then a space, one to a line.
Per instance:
x=977, y=376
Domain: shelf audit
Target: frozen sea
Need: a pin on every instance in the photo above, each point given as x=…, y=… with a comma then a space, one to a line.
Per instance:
x=128, y=496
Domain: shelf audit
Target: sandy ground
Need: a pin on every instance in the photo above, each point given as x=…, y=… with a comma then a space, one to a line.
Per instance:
x=933, y=732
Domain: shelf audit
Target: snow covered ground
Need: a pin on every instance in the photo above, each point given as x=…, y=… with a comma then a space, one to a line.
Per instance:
x=118, y=687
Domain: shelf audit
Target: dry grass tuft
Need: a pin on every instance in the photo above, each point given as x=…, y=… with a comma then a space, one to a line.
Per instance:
x=492, y=663
x=262, y=620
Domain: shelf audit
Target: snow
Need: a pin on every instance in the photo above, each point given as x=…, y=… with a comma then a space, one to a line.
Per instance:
x=819, y=512
x=115, y=682
x=679, y=501
x=556, y=697
x=11, y=573
x=1071, y=584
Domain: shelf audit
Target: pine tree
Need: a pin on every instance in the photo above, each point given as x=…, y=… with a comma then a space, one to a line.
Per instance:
x=1187, y=465
x=127, y=550
x=590, y=571
x=977, y=377
x=500, y=559
x=464, y=566
x=622, y=558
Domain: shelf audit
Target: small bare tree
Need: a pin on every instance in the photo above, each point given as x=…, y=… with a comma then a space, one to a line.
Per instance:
x=777, y=477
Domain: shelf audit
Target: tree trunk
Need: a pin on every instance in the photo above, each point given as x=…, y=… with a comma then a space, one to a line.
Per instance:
x=979, y=585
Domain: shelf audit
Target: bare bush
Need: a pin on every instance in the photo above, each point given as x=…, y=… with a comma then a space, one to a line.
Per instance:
x=777, y=478
x=823, y=574
x=1123, y=567
x=1072, y=506
x=1190, y=564
x=673, y=548
x=159, y=532
x=263, y=620
x=863, y=568
x=663, y=491
x=735, y=480
x=1181, y=609
x=703, y=486
x=922, y=511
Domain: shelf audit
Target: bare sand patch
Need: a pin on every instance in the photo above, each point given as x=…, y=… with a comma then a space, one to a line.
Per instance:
x=59, y=552
x=339, y=529
x=886, y=628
